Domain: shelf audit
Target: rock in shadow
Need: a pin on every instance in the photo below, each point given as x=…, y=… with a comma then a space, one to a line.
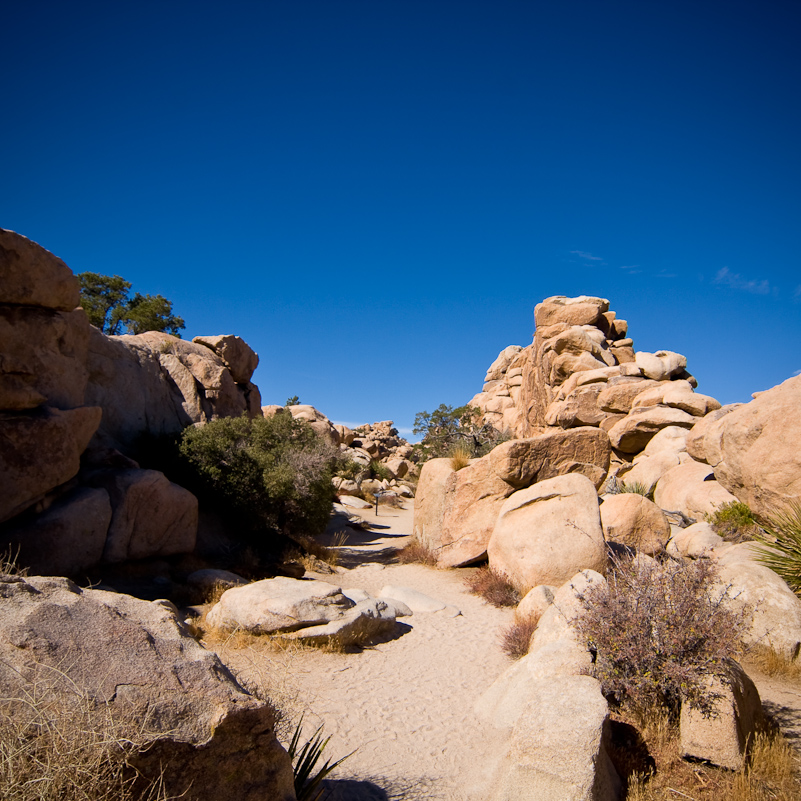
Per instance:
x=380, y=788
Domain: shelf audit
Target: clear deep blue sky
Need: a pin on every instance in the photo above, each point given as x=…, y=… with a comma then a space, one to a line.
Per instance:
x=375, y=193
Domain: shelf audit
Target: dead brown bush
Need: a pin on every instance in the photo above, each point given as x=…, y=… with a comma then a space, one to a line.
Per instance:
x=493, y=587
x=417, y=551
x=515, y=638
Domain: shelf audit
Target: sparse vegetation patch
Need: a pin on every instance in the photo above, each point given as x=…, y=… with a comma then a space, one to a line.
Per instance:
x=492, y=586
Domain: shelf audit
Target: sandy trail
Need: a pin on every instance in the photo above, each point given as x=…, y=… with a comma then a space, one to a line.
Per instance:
x=405, y=705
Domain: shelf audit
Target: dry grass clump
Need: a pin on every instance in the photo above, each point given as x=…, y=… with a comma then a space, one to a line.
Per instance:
x=772, y=663
x=65, y=747
x=460, y=456
x=416, y=551
x=515, y=639
x=645, y=750
x=658, y=631
x=493, y=587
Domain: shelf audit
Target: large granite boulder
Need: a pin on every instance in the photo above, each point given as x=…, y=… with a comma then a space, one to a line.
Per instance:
x=754, y=449
x=634, y=521
x=522, y=462
x=549, y=532
x=210, y=738
x=238, y=356
x=691, y=488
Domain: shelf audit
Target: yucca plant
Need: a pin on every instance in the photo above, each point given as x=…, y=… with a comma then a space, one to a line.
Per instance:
x=781, y=545
x=305, y=759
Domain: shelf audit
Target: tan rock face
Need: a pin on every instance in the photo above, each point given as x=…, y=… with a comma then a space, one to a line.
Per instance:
x=66, y=539
x=691, y=488
x=549, y=532
x=151, y=515
x=39, y=451
x=134, y=657
x=619, y=397
x=238, y=356
x=525, y=461
x=429, y=505
x=43, y=357
x=634, y=432
x=32, y=276
x=159, y=384
x=754, y=449
x=634, y=521
x=697, y=437
x=579, y=409
x=473, y=498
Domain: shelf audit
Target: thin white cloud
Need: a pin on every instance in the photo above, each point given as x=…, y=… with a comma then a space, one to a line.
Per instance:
x=797, y=293
x=631, y=269
x=405, y=431
x=797, y=372
x=582, y=254
x=725, y=277
x=347, y=425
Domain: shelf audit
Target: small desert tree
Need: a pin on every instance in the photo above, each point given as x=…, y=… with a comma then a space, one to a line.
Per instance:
x=447, y=429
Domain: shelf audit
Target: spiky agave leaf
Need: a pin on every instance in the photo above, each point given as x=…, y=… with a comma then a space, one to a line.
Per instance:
x=780, y=546
x=304, y=761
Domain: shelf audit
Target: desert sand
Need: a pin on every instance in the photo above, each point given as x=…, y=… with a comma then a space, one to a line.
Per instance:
x=403, y=706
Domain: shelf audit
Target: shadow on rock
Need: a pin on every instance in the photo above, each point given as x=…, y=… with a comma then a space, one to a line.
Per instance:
x=379, y=788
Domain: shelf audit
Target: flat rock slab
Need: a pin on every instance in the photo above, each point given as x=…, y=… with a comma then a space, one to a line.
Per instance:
x=413, y=599
x=279, y=604
x=364, y=621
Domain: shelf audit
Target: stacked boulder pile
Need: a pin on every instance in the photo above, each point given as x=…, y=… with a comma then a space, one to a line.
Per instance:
x=592, y=420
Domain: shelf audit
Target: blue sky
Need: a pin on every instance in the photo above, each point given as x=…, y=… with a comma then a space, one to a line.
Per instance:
x=376, y=193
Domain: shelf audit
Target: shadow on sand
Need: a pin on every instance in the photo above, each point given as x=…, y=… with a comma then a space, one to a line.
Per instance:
x=378, y=788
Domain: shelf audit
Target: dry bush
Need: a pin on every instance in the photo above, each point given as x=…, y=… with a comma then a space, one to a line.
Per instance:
x=493, y=587
x=416, y=551
x=515, y=639
x=64, y=746
x=658, y=630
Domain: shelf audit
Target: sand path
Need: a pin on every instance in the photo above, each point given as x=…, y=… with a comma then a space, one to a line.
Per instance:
x=405, y=705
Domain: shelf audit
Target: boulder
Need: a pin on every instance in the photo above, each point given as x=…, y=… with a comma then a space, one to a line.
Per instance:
x=583, y=310
x=547, y=533
x=151, y=516
x=775, y=609
x=619, y=397
x=634, y=432
x=133, y=659
x=354, y=502
x=499, y=367
x=238, y=356
x=691, y=488
x=39, y=451
x=724, y=736
x=209, y=579
x=473, y=498
x=695, y=541
x=43, y=357
x=696, y=437
x=33, y=276
x=367, y=619
x=754, y=449
x=634, y=521
x=66, y=539
x=558, y=746
x=523, y=462
x=535, y=602
x=580, y=408
x=278, y=604
x=397, y=467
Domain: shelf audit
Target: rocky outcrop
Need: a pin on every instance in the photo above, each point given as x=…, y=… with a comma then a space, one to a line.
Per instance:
x=155, y=383
x=581, y=370
x=133, y=659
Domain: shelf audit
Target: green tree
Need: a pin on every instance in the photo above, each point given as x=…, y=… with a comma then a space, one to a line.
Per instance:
x=108, y=306
x=103, y=297
x=447, y=428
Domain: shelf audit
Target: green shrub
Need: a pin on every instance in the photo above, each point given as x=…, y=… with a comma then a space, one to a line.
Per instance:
x=347, y=468
x=379, y=471
x=734, y=522
x=271, y=474
x=446, y=427
x=658, y=630
x=781, y=545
